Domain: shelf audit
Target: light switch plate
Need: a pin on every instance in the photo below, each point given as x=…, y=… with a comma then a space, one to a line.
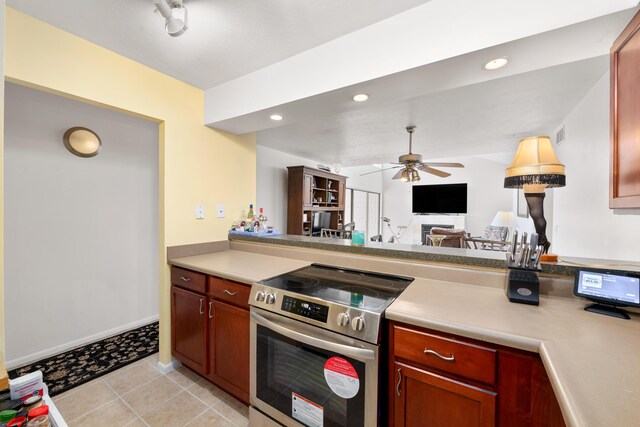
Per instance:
x=220, y=211
x=199, y=211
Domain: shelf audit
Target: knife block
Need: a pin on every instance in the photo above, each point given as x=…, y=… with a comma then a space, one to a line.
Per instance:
x=523, y=286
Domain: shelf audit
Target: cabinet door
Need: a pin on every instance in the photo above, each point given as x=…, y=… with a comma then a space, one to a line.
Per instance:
x=189, y=328
x=424, y=399
x=229, y=348
x=307, y=190
x=342, y=189
x=624, y=180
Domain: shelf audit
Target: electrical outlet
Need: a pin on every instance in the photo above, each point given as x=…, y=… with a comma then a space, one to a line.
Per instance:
x=199, y=211
x=220, y=211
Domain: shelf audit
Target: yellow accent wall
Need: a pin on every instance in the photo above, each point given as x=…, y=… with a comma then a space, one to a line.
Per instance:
x=198, y=165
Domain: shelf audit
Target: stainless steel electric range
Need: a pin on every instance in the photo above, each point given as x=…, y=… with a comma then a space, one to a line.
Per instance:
x=316, y=345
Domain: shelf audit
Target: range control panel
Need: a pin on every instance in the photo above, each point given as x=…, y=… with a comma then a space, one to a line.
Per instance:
x=317, y=312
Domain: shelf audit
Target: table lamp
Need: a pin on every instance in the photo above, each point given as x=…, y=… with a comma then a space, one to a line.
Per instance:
x=534, y=168
x=503, y=219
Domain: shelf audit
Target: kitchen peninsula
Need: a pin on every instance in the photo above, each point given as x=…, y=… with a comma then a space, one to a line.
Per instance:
x=587, y=358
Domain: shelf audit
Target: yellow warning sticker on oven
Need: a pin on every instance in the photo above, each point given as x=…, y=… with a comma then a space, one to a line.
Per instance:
x=306, y=411
x=341, y=377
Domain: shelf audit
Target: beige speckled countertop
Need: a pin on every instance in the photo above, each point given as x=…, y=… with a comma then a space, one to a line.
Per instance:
x=240, y=266
x=591, y=359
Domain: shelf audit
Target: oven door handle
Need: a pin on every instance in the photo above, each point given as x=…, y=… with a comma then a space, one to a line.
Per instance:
x=345, y=350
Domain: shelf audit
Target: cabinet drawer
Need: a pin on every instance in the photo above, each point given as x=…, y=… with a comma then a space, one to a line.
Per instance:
x=189, y=279
x=232, y=292
x=448, y=355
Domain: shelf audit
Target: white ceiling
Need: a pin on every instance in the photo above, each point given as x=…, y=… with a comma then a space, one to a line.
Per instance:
x=488, y=117
x=226, y=38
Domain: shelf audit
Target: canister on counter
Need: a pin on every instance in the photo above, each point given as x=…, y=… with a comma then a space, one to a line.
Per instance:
x=7, y=415
x=33, y=402
x=40, y=410
x=41, y=421
x=17, y=422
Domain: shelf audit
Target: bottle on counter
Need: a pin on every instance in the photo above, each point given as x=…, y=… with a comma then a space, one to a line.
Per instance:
x=251, y=216
x=261, y=225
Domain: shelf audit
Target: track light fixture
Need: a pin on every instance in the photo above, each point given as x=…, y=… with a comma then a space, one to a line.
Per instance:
x=175, y=16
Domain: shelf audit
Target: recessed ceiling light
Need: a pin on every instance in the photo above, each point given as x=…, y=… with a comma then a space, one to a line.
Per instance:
x=276, y=117
x=361, y=97
x=494, y=64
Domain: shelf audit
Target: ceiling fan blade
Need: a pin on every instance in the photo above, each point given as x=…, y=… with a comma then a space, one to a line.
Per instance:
x=398, y=175
x=436, y=172
x=444, y=165
x=369, y=173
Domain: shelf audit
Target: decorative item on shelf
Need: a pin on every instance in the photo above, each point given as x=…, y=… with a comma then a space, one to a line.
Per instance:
x=535, y=167
x=82, y=142
x=324, y=167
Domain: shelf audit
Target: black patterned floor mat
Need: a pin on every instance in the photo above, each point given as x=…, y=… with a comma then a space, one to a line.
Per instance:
x=74, y=367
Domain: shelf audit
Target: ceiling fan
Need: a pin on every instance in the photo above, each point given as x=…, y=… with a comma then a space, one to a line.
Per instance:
x=412, y=163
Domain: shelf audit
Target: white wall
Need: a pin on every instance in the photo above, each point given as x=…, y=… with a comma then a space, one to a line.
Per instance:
x=272, y=184
x=80, y=234
x=355, y=180
x=584, y=226
x=485, y=195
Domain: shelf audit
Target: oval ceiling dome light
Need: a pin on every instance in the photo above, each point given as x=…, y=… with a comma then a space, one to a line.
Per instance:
x=497, y=63
x=82, y=142
x=276, y=117
x=361, y=97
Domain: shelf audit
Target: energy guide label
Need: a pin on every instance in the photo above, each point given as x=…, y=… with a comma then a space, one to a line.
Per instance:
x=306, y=411
x=341, y=377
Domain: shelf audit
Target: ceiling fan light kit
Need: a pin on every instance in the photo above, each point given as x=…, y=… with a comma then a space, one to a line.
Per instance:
x=411, y=163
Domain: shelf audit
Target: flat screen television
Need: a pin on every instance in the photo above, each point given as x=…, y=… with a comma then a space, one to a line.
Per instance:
x=442, y=199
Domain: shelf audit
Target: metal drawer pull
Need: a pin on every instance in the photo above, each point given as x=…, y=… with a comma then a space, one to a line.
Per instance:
x=435, y=353
x=229, y=292
x=185, y=279
x=399, y=381
x=210, y=315
x=201, y=301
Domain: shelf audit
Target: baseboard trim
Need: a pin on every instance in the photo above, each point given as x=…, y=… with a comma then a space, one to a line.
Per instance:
x=34, y=357
x=165, y=368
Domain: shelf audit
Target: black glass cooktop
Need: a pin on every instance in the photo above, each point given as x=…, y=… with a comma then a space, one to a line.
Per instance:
x=359, y=289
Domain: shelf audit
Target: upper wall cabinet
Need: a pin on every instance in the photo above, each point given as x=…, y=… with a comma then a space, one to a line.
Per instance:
x=624, y=179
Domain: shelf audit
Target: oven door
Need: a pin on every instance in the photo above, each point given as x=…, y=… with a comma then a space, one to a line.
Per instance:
x=303, y=375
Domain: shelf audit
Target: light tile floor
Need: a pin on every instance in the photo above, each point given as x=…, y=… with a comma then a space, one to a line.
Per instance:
x=139, y=395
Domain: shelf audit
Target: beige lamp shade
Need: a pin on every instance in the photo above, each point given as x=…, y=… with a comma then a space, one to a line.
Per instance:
x=535, y=166
x=82, y=142
x=503, y=219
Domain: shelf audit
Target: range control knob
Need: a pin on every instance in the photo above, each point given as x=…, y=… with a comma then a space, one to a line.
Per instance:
x=357, y=323
x=343, y=319
x=270, y=299
x=260, y=296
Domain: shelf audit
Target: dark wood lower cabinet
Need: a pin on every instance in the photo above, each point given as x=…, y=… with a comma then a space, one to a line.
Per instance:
x=210, y=329
x=229, y=348
x=526, y=396
x=438, y=381
x=189, y=328
x=425, y=399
